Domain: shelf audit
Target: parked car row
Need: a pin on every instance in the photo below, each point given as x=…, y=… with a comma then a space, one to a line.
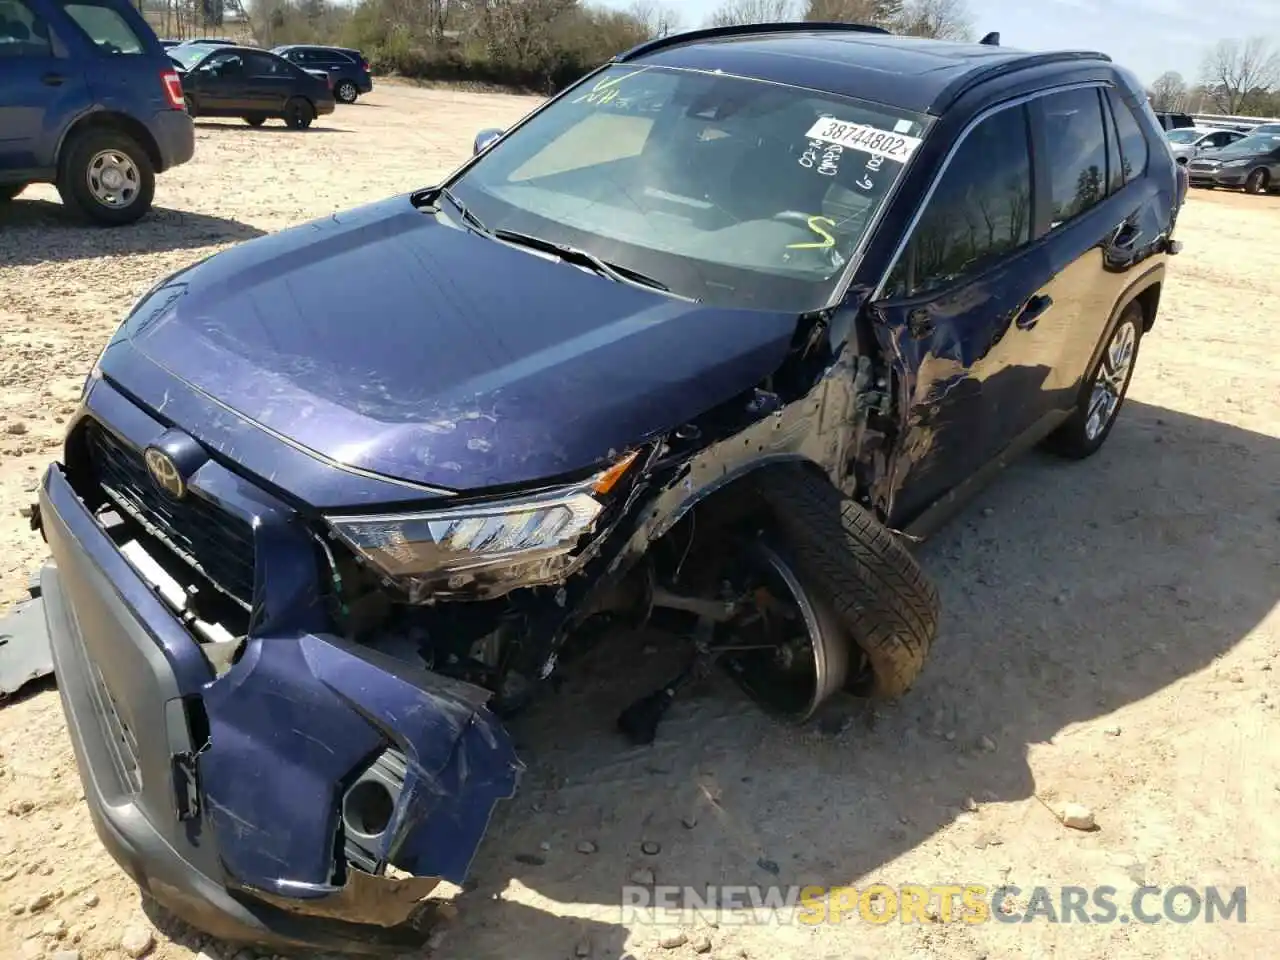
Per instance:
x=92, y=101
x=1229, y=158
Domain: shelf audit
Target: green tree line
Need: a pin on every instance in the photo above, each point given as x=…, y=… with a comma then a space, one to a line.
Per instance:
x=543, y=45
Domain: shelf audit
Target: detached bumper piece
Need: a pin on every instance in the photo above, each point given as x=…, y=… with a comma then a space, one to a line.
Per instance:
x=264, y=804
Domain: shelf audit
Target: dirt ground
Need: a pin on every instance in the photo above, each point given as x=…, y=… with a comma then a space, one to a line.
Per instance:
x=1110, y=632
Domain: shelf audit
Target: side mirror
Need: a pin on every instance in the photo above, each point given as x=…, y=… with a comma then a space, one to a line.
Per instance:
x=484, y=140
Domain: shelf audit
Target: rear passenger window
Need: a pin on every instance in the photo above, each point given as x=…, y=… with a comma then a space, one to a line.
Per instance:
x=22, y=32
x=980, y=211
x=109, y=31
x=1133, y=144
x=1076, y=145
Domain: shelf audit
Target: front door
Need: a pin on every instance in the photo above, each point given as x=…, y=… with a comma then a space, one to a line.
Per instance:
x=967, y=318
x=222, y=86
x=36, y=85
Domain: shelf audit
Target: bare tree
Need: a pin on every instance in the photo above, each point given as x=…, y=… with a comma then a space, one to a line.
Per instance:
x=752, y=11
x=1169, y=92
x=1233, y=70
x=658, y=19
x=940, y=19
x=879, y=13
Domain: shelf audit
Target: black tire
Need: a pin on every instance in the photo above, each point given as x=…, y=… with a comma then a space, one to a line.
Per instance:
x=191, y=105
x=885, y=603
x=255, y=119
x=1073, y=439
x=1257, y=181
x=298, y=113
x=10, y=190
x=74, y=177
x=346, y=92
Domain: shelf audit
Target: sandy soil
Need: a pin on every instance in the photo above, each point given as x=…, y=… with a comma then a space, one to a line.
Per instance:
x=1110, y=632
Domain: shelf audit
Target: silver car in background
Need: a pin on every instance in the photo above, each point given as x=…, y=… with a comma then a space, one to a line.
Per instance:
x=1187, y=143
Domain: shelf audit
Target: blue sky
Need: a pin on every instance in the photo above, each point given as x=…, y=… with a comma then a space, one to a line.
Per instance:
x=1148, y=36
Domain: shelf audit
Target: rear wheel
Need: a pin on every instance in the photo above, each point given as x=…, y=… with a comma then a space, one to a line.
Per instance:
x=886, y=608
x=255, y=119
x=107, y=176
x=298, y=114
x=346, y=92
x=1103, y=391
x=1256, y=182
x=10, y=190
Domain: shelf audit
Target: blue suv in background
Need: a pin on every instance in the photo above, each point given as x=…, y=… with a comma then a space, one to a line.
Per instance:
x=348, y=68
x=90, y=102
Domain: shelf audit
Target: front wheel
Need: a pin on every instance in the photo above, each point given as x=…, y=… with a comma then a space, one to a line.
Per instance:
x=346, y=92
x=298, y=114
x=1103, y=391
x=887, y=609
x=107, y=176
x=1256, y=182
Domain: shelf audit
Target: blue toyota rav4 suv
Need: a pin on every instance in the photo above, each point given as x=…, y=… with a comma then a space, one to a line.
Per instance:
x=698, y=340
x=89, y=102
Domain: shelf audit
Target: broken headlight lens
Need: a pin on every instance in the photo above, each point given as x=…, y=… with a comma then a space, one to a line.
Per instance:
x=483, y=549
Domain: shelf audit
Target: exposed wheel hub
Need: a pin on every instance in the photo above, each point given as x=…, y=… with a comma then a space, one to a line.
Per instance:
x=785, y=648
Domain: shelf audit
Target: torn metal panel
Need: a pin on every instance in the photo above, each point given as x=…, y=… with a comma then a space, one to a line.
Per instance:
x=24, y=646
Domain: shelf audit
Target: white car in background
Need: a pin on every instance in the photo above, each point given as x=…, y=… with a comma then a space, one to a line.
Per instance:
x=1187, y=143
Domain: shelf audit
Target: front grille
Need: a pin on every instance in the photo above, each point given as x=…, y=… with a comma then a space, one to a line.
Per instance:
x=217, y=544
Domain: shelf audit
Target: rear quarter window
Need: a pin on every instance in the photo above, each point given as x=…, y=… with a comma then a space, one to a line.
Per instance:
x=1133, y=143
x=22, y=32
x=110, y=32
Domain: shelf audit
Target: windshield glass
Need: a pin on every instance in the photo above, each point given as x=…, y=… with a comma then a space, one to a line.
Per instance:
x=189, y=56
x=1184, y=136
x=728, y=190
x=1254, y=143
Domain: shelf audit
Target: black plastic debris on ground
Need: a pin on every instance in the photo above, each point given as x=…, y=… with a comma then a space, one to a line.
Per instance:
x=24, y=646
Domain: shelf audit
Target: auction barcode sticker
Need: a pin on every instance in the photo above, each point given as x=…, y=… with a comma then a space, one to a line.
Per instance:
x=858, y=136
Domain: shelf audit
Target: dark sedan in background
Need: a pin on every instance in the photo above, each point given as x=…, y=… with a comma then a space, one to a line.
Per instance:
x=1252, y=163
x=349, y=68
x=253, y=84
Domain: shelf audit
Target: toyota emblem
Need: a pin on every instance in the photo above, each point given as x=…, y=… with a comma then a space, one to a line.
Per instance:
x=164, y=473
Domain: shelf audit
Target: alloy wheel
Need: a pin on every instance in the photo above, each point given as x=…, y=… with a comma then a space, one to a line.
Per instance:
x=1112, y=378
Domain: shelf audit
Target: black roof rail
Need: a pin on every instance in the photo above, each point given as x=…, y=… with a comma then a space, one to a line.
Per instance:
x=744, y=30
x=962, y=85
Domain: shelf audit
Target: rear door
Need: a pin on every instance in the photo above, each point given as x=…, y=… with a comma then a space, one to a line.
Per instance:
x=965, y=309
x=124, y=59
x=270, y=82
x=41, y=88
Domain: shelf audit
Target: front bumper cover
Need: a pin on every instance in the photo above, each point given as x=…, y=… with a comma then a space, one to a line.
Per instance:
x=220, y=796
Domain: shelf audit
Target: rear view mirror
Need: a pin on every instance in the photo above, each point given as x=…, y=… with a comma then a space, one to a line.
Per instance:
x=484, y=140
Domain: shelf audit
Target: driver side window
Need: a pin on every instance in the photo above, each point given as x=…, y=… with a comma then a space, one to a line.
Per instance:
x=979, y=212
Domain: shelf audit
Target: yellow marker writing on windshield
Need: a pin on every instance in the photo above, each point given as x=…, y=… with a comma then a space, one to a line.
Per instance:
x=606, y=90
x=827, y=242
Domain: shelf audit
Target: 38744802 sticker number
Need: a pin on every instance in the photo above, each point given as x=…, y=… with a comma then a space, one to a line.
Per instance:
x=858, y=136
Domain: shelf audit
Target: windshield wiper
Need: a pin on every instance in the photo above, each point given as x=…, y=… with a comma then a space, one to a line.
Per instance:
x=470, y=219
x=586, y=258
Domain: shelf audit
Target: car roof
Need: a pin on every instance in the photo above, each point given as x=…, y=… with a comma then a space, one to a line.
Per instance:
x=910, y=73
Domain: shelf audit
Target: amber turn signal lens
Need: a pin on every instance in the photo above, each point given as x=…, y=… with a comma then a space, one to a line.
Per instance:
x=609, y=479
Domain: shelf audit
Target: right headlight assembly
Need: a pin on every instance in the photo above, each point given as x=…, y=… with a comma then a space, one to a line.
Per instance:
x=482, y=549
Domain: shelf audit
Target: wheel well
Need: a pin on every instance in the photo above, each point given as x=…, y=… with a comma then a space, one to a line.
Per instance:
x=1149, y=300
x=105, y=120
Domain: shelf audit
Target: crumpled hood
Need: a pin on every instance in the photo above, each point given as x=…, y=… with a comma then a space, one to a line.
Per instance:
x=386, y=340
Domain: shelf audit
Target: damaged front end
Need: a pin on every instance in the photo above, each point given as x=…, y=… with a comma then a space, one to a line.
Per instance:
x=296, y=750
